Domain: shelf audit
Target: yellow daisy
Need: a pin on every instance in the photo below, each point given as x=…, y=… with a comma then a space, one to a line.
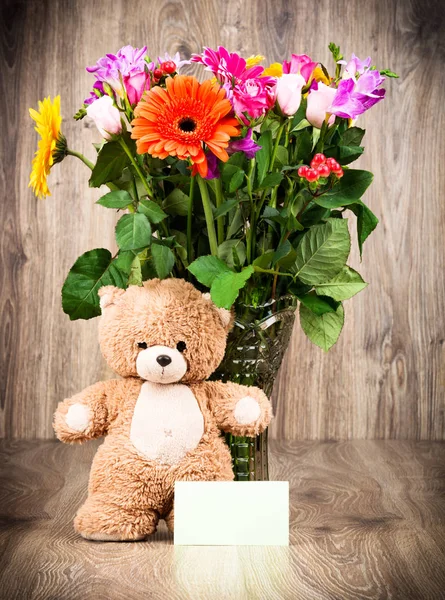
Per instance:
x=52, y=144
x=274, y=70
x=254, y=60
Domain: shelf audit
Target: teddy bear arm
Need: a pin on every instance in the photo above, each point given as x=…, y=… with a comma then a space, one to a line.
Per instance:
x=239, y=409
x=86, y=415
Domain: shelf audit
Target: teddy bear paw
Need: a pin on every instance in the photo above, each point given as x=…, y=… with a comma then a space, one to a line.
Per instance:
x=247, y=410
x=78, y=417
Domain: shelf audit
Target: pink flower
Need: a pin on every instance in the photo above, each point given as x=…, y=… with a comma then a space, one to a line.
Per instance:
x=105, y=116
x=135, y=86
x=288, y=90
x=300, y=63
x=318, y=102
x=228, y=67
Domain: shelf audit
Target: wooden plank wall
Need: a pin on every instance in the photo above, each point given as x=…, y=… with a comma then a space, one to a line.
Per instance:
x=385, y=378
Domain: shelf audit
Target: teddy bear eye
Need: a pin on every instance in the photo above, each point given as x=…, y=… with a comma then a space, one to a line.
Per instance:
x=142, y=345
x=181, y=346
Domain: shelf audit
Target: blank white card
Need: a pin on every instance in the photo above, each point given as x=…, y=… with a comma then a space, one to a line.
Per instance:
x=232, y=513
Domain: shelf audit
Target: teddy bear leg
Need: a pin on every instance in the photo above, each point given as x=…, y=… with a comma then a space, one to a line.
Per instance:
x=170, y=520
x=99, y=519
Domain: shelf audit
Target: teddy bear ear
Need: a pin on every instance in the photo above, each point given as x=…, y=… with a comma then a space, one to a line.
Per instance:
x=108, y=295
x=225, y=316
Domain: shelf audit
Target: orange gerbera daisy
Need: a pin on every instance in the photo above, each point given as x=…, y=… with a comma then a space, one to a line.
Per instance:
x=177, y=121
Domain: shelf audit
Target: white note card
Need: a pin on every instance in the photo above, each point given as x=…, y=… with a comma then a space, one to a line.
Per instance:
x=231, y=513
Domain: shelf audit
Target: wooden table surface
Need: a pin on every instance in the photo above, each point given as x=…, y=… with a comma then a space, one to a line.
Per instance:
x=367, y=521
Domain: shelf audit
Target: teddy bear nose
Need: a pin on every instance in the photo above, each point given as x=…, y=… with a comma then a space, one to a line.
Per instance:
x=163, y=360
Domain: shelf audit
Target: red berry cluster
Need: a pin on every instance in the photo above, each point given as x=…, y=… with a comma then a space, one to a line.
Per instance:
x=166, y=68
x=320, y=167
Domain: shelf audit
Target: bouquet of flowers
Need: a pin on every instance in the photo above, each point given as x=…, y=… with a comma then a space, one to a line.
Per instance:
x=240, y=183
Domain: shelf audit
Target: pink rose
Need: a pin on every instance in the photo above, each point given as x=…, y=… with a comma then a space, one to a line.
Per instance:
x=105, y=116
x=318, y=102
x=288, y=90
x=135, y=86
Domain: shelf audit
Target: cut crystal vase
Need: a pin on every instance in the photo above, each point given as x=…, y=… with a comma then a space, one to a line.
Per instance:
x=255, y=349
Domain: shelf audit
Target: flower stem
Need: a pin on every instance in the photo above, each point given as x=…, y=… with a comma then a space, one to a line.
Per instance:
x=208, y=215
x=83, y=158
x=272, y=272
x=219, y=201
x=189, y=220
x=137, y=167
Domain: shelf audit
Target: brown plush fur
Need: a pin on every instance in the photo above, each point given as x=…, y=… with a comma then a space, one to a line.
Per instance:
x=128, y=493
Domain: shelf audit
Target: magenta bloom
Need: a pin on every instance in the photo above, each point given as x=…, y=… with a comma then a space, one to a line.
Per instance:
x=93, y=96
x=126, y=67
x=212, y=166
x=228, y=67
x=300, y=63
x=353, y=97
x=246, y=145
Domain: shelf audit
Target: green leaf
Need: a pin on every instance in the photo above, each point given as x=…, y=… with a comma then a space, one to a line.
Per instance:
x=163, y=259
x=116, y=199
x=262, y=157
x=282, y=157
x=270, y=181
x=318, y=305
x=226, y=286
x=350, y=188
x=91, y=271
x=124, y=260
x=207, y=268
x=315, y=136
x=232, y=177
x=225, y=207
x=352, y=136
x=366, y=222
x=264, y=261
x=151, y=210
x=389, y=73
x=282, y=251
x=176, y=203
x=323, y=252
x=301, y=125
x=343, y=286
x=303, y=147
x=135, y=277
x=226, y=249
x=323, y=330
x=133, y=231
x=111, y=161
x=345, y=154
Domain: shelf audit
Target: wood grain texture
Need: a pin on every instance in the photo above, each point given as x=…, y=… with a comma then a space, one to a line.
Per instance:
x=367, y=521
x=385, y=378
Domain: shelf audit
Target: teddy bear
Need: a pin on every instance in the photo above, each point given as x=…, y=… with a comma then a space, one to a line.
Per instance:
x=162, y=419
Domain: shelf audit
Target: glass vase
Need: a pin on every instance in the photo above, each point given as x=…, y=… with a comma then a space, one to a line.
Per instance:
x=255, y=349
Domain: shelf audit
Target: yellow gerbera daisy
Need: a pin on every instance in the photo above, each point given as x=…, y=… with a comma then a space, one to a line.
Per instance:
x=51, y=145
x=254, y=60
x=274, y=70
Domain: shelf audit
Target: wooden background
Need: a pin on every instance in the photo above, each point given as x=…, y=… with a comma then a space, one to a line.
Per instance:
x=385, y=378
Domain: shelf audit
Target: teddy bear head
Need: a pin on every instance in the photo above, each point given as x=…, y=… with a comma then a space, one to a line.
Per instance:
x=164, y=331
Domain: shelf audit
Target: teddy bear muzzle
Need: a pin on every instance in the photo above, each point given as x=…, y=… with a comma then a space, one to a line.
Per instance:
x=161, y=364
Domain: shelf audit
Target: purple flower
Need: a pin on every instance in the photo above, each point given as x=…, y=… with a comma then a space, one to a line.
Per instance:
x=93, y=96
x=299, y=63
x=212, y=166
x=246, y=145
x=126, y=67
x=353, y=97
x=355, y=65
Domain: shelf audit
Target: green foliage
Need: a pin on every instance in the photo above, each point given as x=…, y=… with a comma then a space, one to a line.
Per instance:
x=117, y=199
x=323, y=330
x=207, y=268
x=231, y=248
x=91, y=271
x=347, y=190
x=322, y=252
x=232, y=177
x=152, y=211
x=263, y=157
x=366, y=222
x=111, y=161
x=226, y=286
x=318, y=305
x=343, y=286
x=133, y=231
x=163, y=260
x=176, y=203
